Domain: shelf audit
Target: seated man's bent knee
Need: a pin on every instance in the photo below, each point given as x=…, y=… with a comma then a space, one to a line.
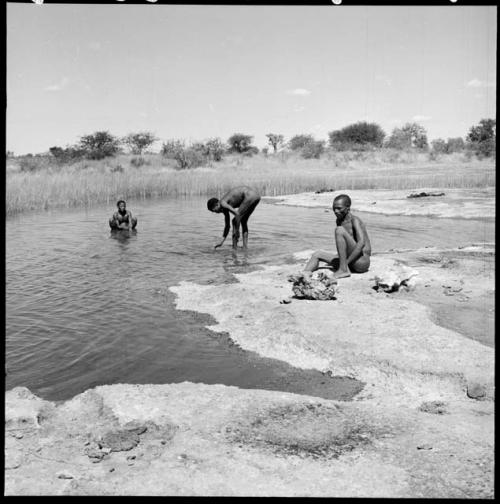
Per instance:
x=361, y=265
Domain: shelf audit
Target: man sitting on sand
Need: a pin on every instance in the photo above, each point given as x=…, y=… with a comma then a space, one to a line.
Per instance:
x=351, y=238
x=241, y=202
x=122, y=219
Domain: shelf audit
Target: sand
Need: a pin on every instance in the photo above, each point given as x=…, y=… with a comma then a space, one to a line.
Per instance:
x=421, y=426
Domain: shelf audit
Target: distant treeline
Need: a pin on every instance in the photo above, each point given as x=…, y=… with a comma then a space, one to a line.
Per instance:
x=361, y=136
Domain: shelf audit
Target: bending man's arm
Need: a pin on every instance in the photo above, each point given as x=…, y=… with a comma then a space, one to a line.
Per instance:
x=226, y=229
x=227, y=206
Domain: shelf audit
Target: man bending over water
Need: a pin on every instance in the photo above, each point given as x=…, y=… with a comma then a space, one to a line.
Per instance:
x=241, y=202
x=122, y=219
x=351, y=238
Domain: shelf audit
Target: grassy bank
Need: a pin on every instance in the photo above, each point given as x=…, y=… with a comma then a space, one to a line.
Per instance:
x=90, y=182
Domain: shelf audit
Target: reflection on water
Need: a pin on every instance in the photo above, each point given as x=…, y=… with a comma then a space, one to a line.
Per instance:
x=122, y=235
x=89, y=306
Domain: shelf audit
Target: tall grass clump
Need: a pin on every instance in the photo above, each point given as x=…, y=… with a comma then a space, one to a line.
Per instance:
x=89, y=182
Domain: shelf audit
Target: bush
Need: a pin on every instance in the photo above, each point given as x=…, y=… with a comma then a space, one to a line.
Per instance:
x=241, y=143
x=251, y=151
x=455, y=145
x=186, y=157
x=137, y=162
x=408, y=136
x=30, y=163
x=438, y=146
x=482, y=138
x=297, y=142
x=214, y=149
x=139, y=142
x=99, y=145
x=67, y=155
x=358, y=134
x=313, y=149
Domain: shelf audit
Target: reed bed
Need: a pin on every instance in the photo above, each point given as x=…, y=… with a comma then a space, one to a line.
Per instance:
x=93, y=182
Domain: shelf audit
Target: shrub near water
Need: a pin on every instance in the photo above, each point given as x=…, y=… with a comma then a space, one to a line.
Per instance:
x=89, y=182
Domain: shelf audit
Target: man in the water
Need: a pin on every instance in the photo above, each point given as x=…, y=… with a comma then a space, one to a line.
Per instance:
x=241, y=202
x=351, y=238
x=122, y=218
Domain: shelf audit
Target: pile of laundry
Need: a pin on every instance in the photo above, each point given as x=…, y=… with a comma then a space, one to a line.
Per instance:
x=320, y=286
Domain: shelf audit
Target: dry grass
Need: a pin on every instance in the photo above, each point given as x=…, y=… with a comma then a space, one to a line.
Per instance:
x=90, y=182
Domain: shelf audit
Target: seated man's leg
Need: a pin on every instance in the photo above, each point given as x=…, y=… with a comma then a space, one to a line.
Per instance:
x=318, y=256
x=345, y=245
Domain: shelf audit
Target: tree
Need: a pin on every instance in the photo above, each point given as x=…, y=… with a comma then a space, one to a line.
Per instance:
x=99, y=145
x=360, y=134
x=482, y=138
x=439, y=146
x=139, y=142
x=186, y=157
x=240, y=143
x=214, y=148
x=455, y=145
x=409, y=135
x=297, y=142
x=275, y=140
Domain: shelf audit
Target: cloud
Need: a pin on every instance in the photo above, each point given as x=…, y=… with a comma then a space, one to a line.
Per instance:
x=298, y=92
x=421, y=118
x=476, y=83
x=298, y=108
x=59, y=86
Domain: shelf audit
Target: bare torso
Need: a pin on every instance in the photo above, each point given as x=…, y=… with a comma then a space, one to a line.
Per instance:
x=121, y=218
x=237, y=195
x=347, y=224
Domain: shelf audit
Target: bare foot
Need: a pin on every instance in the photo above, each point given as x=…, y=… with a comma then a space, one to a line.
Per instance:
x=341, y=274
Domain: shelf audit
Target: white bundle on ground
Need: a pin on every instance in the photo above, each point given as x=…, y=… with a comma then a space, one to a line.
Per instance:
x=395, y=277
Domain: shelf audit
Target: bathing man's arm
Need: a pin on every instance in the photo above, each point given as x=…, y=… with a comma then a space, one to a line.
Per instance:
x=226, y=228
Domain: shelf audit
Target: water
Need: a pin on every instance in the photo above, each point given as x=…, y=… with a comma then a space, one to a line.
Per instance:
x=86, y=307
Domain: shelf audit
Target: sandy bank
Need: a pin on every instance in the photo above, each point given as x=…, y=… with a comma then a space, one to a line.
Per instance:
x=456, y=203
x=421, y=427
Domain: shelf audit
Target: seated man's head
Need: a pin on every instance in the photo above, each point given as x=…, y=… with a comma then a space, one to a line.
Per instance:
x=341, y=206
x=121, y=205
x=213, y=205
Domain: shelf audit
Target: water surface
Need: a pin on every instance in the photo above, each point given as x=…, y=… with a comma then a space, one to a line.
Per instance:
x=86, y=307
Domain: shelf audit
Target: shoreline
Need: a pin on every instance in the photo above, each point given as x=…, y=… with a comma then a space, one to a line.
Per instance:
x=422, y=426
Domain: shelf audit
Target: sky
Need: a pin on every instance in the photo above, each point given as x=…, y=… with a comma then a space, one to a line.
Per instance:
x=199, y=72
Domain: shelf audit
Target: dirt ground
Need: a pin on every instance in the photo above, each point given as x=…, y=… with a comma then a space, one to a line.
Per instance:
x=422, y=425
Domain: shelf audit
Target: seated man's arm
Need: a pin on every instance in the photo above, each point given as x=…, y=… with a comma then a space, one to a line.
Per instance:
x=360, y=243
x=129, y=219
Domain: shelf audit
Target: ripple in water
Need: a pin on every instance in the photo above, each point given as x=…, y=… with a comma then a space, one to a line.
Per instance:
x=86, y=307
